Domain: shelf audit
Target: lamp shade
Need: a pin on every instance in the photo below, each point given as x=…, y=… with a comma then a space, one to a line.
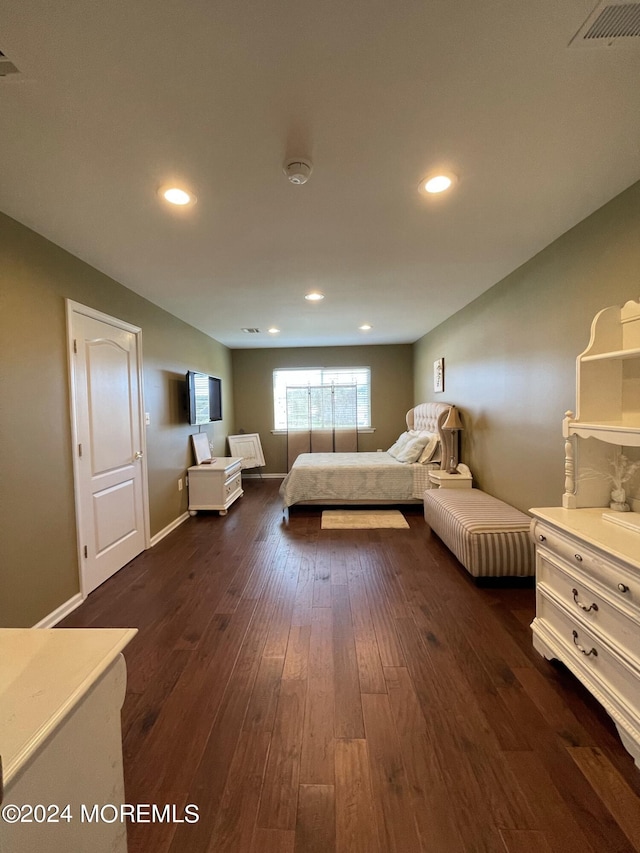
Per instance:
x=453, y=420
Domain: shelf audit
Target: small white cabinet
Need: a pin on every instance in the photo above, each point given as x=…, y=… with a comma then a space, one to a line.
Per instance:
x=215, y=485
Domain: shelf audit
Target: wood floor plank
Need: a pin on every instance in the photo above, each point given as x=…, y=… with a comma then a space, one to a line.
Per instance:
x=403, y=701
x=563, y=832
x=525, y=841
x=348, y=721
x=392, y=795
x=356, y=823
x=389, y=647
x=557, y=715
x=592, y=814
x=273, y=841
x=316, y=820
x=370, y=671
x=611, y=788
x=279, y=801
x=261, y=712
x=322, y=576
x=296, y=661
x=318, y=743
x=236, y=819
x=438, y=824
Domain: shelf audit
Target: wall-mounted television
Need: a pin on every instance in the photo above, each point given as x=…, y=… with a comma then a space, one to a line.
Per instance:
x=204, y=398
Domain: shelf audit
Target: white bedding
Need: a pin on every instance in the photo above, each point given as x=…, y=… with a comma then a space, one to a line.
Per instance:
x=354, y=478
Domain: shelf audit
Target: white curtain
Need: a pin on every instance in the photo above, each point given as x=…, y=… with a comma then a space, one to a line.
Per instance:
x=321, y=419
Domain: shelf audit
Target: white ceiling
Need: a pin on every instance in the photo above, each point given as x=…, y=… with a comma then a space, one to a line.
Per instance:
x=115, y=99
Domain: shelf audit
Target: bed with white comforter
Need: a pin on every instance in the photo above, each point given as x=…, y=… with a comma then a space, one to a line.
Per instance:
x=365, y=478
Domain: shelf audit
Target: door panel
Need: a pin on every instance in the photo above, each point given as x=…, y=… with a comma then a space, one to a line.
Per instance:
x=108, y=428
x=109, y=401
x=114, y=512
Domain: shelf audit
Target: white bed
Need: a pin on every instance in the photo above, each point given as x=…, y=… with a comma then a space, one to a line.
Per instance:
x=366, y=478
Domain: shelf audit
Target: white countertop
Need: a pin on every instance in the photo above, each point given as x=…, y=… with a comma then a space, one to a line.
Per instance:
x=44, y=673
x=589, y=524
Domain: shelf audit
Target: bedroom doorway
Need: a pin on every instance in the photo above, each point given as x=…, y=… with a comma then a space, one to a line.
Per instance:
x=110, y=474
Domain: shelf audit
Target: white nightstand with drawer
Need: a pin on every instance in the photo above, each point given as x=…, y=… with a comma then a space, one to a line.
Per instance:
x=215, y=485
x=442, y=479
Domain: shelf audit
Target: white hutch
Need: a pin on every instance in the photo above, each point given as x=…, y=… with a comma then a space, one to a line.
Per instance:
x=588, y=556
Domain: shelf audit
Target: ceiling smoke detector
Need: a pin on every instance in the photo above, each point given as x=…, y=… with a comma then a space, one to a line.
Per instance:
x=297, y=171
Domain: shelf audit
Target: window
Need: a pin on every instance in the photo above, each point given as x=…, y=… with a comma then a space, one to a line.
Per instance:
x=300, y=381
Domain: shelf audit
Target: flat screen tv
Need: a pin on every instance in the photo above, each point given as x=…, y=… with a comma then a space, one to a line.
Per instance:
x=204, y=398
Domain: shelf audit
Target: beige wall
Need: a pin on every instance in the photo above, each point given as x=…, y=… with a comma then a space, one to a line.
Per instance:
x=39, y=562
x=510, y=355
x=391, y=391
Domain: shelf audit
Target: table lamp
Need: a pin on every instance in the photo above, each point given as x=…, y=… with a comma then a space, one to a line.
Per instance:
x=453, y=424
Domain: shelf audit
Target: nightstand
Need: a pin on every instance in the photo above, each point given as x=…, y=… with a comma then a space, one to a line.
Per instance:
x=443, y=480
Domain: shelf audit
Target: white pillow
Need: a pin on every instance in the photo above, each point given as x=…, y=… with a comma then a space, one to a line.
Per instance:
x=412, y=449
x=398, y=444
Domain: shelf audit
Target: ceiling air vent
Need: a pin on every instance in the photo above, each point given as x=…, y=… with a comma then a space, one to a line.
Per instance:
x=7, y=67
x=252, y=331
x=610, y=23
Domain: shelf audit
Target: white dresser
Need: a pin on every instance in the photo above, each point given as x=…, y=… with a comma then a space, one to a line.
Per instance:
x=215, y=485
x=61, y=692
x=588, y=567
x=588, y=608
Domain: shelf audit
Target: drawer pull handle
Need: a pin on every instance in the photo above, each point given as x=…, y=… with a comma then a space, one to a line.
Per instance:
x=542, y=538
x=578, y=557
x=581, y=649
x=623, y=587
x=584, y=607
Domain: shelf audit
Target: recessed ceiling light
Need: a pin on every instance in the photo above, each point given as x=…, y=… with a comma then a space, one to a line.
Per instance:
x=177, y=196
x=314, y=296
x=273, y=330
x=434, y=184
x=365, y=327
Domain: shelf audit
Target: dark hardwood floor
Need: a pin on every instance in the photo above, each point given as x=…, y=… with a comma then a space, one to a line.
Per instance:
x=355, y=691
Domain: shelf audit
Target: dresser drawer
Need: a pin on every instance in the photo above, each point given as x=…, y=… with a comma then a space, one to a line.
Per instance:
x=618, y=622
x=233, y=485
x=586, y=652
x=623, y=583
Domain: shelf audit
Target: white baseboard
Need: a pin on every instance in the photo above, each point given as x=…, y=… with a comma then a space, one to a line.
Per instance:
x=264, y=476
x=167, y=530
x=59, y=613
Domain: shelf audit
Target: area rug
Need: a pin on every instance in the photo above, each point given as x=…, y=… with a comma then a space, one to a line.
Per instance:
x=361, y=519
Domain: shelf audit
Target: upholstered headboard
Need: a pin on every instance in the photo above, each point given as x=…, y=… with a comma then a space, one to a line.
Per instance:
x=427, y=416
x=430, y=417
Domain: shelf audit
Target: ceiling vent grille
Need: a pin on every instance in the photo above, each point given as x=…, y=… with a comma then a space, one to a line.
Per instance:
x=610, y=23
x=251, y=331
x=7, y=67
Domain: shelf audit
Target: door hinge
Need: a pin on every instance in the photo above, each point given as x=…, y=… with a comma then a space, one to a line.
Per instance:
x=75, y=345
x=79, y=450
x=86, y=552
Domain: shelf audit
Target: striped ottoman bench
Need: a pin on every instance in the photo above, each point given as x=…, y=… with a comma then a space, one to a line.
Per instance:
x=489, y=537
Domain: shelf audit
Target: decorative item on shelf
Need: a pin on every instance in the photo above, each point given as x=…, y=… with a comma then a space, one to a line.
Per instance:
x=453, y=424
x=623, y=471
x=438, y=375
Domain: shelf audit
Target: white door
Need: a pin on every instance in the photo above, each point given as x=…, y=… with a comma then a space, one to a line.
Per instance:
x=110, y=474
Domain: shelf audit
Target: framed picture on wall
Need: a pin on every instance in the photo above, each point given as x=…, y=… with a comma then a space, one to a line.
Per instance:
x=438, y=374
